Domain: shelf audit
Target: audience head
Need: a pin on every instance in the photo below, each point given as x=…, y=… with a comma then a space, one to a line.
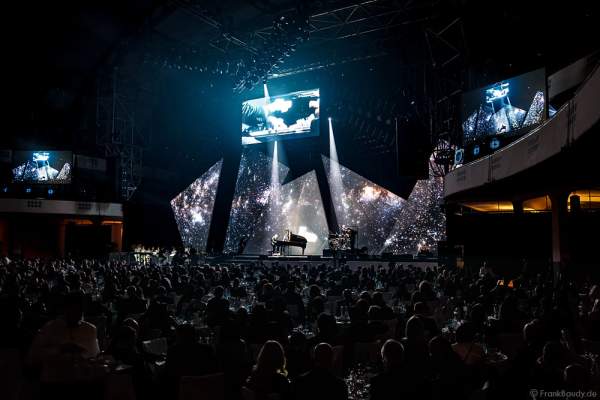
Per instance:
x=326, y=324
x=323, y=355
x=374, y=313
x=271, y=359
x=378, y=299
x=421, y=308
x=415, y=330
x=576, y=377
x=392, y=354
x=440, y=349
x=218, y=292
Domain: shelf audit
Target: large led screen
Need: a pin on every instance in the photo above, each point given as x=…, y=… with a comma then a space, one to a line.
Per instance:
x=384, y=221
x=362, y=205
x=193, y=208
x=509, y=107
x=288, y=116
x=51, y=167
x=421, y=223
x=262, y=207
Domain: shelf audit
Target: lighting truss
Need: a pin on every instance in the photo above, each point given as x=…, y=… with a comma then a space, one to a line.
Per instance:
x=356, y=20
x=116, y=130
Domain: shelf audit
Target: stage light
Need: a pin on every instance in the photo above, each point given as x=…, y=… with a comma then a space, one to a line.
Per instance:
x=27, y=190
x=50, y=192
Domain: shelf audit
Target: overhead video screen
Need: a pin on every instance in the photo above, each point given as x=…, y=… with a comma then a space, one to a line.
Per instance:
x=510, y=107
x=289, y=116
x=48, y=167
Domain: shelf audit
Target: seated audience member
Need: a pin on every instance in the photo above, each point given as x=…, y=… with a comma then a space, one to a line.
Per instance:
x=386, y=311
x=123, y=349
x=67, y=335
x=187, y=357
x=448, y=370
x=269, y=376
x=550, y=367
x=294, y=303
x=133, y=303
x=576, y=378
x=217, y=308
x=416, y=352
x=156, y=322
x=423, y=312
x=327, y=331
x=233, y=359
x=470, y=352
x=376, y=325
x=320, y=383
x=393, y=382
x=297, y=355
x=12, y=334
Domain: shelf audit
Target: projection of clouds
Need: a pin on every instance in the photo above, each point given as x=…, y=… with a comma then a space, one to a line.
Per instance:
x=194, y=206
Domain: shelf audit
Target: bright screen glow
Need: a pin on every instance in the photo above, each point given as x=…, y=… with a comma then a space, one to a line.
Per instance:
x=510, y=107
x=288, y=116
x=262, y=207
x=193, y=208
x=52, y=167
x=384, y=221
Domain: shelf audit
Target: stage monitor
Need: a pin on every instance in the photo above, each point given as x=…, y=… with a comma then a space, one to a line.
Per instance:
x=288, y=116
x=42, y=166
x=508, y=108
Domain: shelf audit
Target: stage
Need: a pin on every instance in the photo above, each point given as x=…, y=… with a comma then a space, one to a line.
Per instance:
x=354, y=262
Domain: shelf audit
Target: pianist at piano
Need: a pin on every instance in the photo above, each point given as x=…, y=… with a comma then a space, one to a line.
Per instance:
x=282, y=247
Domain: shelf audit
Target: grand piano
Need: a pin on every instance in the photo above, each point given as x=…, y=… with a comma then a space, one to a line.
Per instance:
x=289, y=240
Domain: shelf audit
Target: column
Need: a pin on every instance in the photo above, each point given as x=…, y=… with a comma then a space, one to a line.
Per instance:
x=560, y=234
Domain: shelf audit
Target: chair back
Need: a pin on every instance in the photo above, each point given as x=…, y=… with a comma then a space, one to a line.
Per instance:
x=206, y=387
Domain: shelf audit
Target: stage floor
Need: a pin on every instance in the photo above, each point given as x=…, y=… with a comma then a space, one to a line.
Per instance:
x=353, y=261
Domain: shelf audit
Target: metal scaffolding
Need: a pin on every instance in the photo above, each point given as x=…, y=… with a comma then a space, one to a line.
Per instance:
x=116, y=130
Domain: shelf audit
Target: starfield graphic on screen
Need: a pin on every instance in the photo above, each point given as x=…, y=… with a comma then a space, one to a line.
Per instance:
x=508, y=108
x=289, y=116
x=42, y=166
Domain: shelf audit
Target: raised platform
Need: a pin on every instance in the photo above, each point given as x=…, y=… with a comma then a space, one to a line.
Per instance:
x=352, y=261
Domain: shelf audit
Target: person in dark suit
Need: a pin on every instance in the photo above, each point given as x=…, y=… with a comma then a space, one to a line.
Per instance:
x=187, y=357
x=393, y=382
x=320, y=383
x=217, y=308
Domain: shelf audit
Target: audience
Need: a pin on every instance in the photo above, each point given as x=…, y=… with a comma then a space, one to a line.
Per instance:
x=62, y=316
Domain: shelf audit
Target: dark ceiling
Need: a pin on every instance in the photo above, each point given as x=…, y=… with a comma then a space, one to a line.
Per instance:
x=57, y=48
